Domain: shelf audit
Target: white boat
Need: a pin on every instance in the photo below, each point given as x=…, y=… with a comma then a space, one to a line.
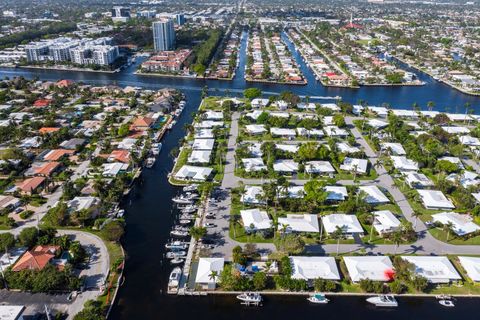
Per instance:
x=185, y=221
x=179, y=233
x=248, y=298
x=189, y=209
x=150, y=162
x=177, y=245
x=446, y=303
x=176, y=261
x=318, y=298
x=182, y=200
x=187, y=217
x=120, y=213
x=192, y=187
x=383, y=301
x=175, y=255
x=174, y=280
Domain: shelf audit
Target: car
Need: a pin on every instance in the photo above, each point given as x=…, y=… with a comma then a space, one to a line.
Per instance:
x=18, y=210
x=209, y=225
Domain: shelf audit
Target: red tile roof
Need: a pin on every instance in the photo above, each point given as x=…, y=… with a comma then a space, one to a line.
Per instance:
x=31, y=184
x=36, y=259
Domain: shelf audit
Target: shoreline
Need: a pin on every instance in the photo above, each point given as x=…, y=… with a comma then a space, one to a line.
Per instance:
x=58, y=69
x=163, y=75
x=278, y=83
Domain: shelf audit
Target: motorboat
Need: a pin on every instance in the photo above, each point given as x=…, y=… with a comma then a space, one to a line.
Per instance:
x=189, y=209
x=318, y=298
x=185, y=221
x=120, y=213
x=156, y=148
x=446, y=303
x=177, y=245
x=186, y=216
x=248, y=298
x=150, y=162
x=179, y=233
x=176, y=261
x=177, y=254
x=182, y=200
x=174, y=280
x=443, y=297
x=192, y=187
x=383, y=301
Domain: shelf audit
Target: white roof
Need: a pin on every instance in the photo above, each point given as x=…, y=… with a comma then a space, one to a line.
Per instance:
x=6, y=260
x=254, y=114
x=205, y=268
x=336, y=193
x=433, y=199
x=466, y=178
x=10, y=312
x=187, y=172
x=462, y=224
x=255, y=128
x=349, y=223
x=209, y=124
x=203, y=144
x=381, y=111
x=200, y=156
x=285, y=165
x=471, y=266
x=287, y=147
x=282, y=132
x=351, y=164
x=127, y=143
x=310, y=268
x=377, y=124
x=203, y=133
x=385, y=221
x=403, y=164
x=300, y=222
x=405, y=113
x=251, y=195
x=113, y=168
x=376, y=268
x=82, y=203
x=319, y=167
x=213, y=115
x=469, y=141
x=255, y=149
x=335, y=131
x=311, y=132
x=395, y=148
x=293, y=192
x=455, y=129
x=253, y=164
x=279, y=114
x=435, y=269
x=344, y=147
x=454, y=160
x=417, y=179
x=331, y=106
x=259, y=102
x=374, y=194
x=308, y=106
x=259, y=219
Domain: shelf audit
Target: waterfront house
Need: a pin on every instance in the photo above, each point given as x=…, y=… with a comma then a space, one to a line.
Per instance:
x=348, y=223
x=471, y=266
x=114, y=168
x=462, y=224
x=91, y=204
x=199, y=156
x=311, y=268
x=203, y=144
x=193, y=173
x=434, y=199
x=207, y=268
x=375, y=268
x=434, y=268
x=255, y=220
x=36, y=259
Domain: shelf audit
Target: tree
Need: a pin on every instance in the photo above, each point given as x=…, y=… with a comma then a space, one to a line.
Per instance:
x=338, y=235
x=28, y=237
x=92, y=310
x=252, y=93
x=290, y=244
x=396, y=238
x=259, y=281
x=420, y=283
x=416, y=215
x=123, y=130
x=113, y=230
x=238, y=256
x=339, y=121
x=308, y=151
x=198, y=232
x=213, y=276
x=7, y=241
x=448, y=227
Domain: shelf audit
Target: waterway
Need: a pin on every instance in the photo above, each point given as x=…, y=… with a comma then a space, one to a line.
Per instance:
x=150, y=214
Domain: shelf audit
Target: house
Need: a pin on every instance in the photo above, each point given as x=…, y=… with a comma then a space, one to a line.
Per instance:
x=375, y=268
x=434, y=199
x=255, y=220
x=377, y=124
x=348, y=223
x=213, y=115
x=208, y=124
x=142, y=123
x=355, y=165
x=259, y=103
x=32, y=185
x=127, y=144
x=285, y=166
x=9, y=202
x=455, y=160
x=207, y=268
x=336, y=193
x=471, y=266
x=255, y=129
x=193, y=173
x=334, y=131
x=12, y=312
x=84, y=203
x=252, y=195
x=311, y=268
x=253, y=164
x=203, y=144
x=417, y=180
x=456, y=130
x=319, y=167
x=204, y=134
x=299, y=223
x=33, y=142
x=385, y=222
x=283, y=132
x=119, y=156
x=434, y=269
x=291, y=148
x=344, y=147
x=57, y=154
x=72, y=144
x=46, y=130
x=469, y=141
x=462, y=224
x=292, y=192
x=310, y=133
x=44, y=169
x=200, y=156
x=36, y=259
x=401, y=163
x=114, y=168
x=373, y=195
x=11, y=256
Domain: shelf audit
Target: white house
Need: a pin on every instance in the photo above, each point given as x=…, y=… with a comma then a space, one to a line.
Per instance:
x=322, y=167
x=380, y=111
x=434, y=199
x=471, y=266
x=312, y=132
x=375, y=268
x=282, y=132
x=213, y=115
x=348, y=223
x=374, y=195
x=207, y=268
x=285, y=165
x=208, y=124
x=377, y=124
x=254, y=114
x=311, y=268
x=252, y=195
x=470, y=141
x=466, y=178
x=454, y=160
x=203, y=144
x=255, y=129
x=355, y=165
x=401, y=163
x=253, y=164
x=255, y=220
x=299, y=223
x=292, y=148
x=462, y=224
x=434, y=269
x=193, y=173
x=331, y=106
x=292, y=192
x=456, y=130
x=385, y=222
x=336, y=193
x=113, y=168
x=334, y=131
x=344, y=147
x=200, y=156
x=204, y=134
x=259, y=103
x=417, y=180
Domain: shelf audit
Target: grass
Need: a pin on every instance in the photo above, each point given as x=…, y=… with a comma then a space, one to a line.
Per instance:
x=442, y=236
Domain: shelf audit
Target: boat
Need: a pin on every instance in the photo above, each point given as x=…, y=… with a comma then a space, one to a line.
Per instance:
x=120, y=213
x=443, y=297
x=446, y=303
x=318, y=298
x=150, y=162
x=182, y=200
x=383, y=301
x=186, y=216
x=179, y=233
x=176, y=261
x=156, y=148
x=250, y=298
x=177, y=245
x=174, y=280
x=178, y=254
x=185, y=221
x=189, y=209
x=192, y=187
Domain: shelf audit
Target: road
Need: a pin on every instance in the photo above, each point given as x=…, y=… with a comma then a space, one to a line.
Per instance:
x=426, y=243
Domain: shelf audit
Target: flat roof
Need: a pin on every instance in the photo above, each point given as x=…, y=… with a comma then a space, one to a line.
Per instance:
x=435, y=199
x=310, y=268
x=435, y=269
x=376, y=268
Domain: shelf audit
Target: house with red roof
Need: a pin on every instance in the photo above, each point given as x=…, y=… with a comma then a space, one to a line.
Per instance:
x=31, y=185
x=42, y=103
x=64, y=83
x=142, y=123
x=36, y=259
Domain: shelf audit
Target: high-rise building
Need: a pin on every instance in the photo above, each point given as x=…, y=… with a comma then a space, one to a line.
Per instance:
x=120, y=14
x=180, y=19
x=163, y=35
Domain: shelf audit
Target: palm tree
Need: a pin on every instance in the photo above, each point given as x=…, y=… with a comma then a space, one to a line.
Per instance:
x=448, y=227
x=396, y=239
x=213, y=276
x=430, y=105
x=416, y=215
x=338, y=235
x=372, y=214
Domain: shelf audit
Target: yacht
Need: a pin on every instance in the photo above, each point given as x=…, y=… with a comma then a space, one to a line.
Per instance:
x=192, y=187
x=248, y=298
x=174, y=280
x=182, y=200
x=174, y=255
x=150, y=162
x=176, y=261
x=189, y=209
x=318, y=298
x=177, y=245
x=447, y=303
x=383, y=301
x=156, y=148
x=179, y=233
x=187, y=216
x=185, y=221
x=120, y=213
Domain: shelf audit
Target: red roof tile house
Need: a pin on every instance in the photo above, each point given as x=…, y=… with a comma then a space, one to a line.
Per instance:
x=46, y=130
x=57, y=154
x=44, y=169
x=120, y=156
x=142, y=123
x=64, y=83
x=31, y=185
x=42, y=103
x=36, y=259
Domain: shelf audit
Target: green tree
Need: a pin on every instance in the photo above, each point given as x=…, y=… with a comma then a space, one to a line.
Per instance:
x=28, y=237
x=259, y=281
x=7, y=241
x=252, y=93
x=198, y=232
x=113, y=230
